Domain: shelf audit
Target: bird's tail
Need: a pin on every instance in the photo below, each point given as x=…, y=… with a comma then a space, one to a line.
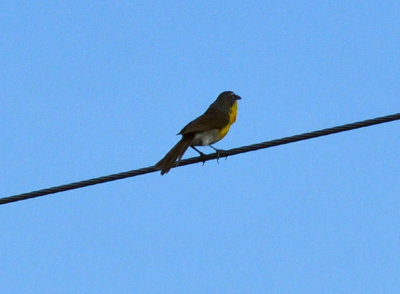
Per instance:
x=175, y=153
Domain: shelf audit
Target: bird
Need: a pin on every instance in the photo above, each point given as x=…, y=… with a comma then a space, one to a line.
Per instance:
x=207, y=129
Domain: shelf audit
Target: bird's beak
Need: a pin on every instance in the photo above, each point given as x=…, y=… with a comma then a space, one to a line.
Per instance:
x=238, y=97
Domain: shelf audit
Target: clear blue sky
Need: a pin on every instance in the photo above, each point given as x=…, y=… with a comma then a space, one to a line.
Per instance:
x=90, y=88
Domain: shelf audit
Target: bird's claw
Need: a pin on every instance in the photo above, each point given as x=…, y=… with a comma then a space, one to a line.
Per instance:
x=218, y=154
x=202, y=157
x=219, y=151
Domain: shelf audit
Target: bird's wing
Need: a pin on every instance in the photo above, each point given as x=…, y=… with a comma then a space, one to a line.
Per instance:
x=210, y=120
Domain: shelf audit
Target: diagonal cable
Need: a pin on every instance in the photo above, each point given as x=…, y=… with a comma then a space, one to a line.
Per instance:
x=234, y=151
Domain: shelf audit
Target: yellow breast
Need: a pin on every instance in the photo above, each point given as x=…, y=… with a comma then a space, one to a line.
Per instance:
x=232, y=119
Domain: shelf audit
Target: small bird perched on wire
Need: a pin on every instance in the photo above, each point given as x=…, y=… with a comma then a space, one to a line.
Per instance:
x=208, y=128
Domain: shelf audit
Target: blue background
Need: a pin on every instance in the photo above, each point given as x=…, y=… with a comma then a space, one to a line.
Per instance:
x=90, y=88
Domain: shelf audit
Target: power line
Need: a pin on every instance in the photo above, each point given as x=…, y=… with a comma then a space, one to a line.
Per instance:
x=234, y=151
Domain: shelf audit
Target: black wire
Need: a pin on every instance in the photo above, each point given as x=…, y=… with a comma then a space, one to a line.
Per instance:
x=224, y=153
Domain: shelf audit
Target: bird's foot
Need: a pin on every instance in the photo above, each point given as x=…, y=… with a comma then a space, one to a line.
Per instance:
x=203, y=158
x=202, y=155
x=218, y=151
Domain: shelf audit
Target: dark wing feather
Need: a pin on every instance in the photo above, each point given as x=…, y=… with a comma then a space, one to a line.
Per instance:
x=210, y=120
